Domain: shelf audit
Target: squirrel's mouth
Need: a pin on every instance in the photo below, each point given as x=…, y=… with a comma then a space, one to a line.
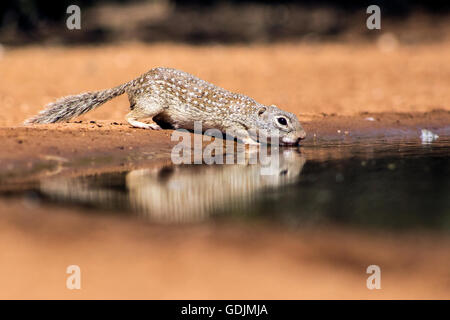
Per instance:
x=293, y=138
x=291, y=141
x=286, y=141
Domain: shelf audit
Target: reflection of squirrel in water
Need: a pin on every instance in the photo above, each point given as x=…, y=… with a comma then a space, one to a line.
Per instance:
x=181, y=193
x=177, y=98
x=192, y=193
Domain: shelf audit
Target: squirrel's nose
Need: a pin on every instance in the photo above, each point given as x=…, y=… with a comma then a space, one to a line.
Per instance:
x=302, y=135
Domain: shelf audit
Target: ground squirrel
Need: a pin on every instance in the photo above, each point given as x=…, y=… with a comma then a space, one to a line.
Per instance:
x=176, y=98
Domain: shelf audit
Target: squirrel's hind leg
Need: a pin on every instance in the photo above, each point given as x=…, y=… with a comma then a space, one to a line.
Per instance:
x=141, y=109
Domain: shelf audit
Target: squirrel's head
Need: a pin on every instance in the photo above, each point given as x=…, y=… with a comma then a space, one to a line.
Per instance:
x=273, y=123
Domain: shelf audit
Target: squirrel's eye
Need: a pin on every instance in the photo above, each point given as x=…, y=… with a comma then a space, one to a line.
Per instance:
x=282, y=121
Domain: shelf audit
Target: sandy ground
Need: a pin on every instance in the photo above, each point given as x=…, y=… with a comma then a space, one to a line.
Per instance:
x=122, y=258
x=306, y=80
x=332, y=88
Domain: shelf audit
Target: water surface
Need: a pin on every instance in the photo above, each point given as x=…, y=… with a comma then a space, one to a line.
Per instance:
x=383, y=184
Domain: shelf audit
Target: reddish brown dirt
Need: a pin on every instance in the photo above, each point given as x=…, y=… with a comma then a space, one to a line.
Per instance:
x=122, y=258
x=307, y=80
x=332, y=88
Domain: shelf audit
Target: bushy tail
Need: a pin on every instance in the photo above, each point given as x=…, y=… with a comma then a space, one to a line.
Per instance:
x=72, y=106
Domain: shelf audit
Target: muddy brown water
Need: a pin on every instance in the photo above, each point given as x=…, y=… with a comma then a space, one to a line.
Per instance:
x=363, y=183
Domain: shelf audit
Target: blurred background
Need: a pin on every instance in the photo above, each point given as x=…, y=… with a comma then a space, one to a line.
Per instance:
x=218, y=21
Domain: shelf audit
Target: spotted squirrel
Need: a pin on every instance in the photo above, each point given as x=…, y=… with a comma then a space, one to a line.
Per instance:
x=178, y=99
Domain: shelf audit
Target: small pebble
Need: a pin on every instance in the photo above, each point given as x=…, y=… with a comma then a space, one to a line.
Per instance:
x=427, y=136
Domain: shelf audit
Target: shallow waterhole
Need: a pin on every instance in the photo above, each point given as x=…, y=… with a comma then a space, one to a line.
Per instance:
x=368, y=183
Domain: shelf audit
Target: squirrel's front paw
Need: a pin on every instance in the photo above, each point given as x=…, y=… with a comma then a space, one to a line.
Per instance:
x=143, y=125
x=154, y=126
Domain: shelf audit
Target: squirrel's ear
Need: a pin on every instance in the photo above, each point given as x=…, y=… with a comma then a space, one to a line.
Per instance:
x=261, y=111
